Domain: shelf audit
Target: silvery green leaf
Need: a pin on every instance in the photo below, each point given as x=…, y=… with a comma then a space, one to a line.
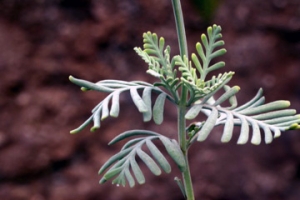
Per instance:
x=147, y=100
x=110, y=174
x=129, y=177
x=193, y=111
x=174, y=151
x=256, y=137
x=113, y=159
x=137, y=171
x=268, y=135
x=204, y=41
x=138, y=101
x=197, y=63
x=200, y=52
x=161, y=160
x=232, y=100
x=149, y=162
x=217, y=53
x=281, y=118
x=228, y=129
x=249, y=103
x=105, y=109
x=96, y=119
x=82, y=126
x=161, y=44
x=89, y=85
x=131, y=133
x=218, y=44
x=244, y=134
x=229, y=93
x=208, y=125
x=115, y=106
x=272, y=118
x=266, y=107
x=158, y=108
x=154, y=73
x=275, y=114
x=216, y=66
x=120, y=180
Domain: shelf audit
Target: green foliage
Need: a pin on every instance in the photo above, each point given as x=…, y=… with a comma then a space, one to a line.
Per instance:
x=176, y=75
x=125, y=160
x=270, y=117
x=157, y=56
x=115, y=88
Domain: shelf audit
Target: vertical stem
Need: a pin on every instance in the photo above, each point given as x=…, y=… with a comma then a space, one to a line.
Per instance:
x=186, y=175
x=187, y=181
x=180, y=27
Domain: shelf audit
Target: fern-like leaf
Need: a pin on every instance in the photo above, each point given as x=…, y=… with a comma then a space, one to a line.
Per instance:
x=271, y=118
x=209, y=88
x=157, y=56
x=115, y=88
x=120, y=164
x=208, y=50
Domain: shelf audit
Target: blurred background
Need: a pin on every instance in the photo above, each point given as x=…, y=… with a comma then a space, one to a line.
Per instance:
x=42, y=42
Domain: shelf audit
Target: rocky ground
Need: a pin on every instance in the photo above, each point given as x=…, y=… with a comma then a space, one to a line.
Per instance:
x=42, y=42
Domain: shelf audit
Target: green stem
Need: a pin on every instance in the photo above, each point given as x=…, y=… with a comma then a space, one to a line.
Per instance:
x=180, y=27
x=186, y=175
x=187, y=180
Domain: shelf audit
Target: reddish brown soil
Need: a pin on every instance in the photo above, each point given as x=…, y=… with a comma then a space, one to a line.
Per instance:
x=42, y=42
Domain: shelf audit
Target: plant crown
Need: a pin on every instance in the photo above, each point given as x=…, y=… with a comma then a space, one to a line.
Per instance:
x=268, y=119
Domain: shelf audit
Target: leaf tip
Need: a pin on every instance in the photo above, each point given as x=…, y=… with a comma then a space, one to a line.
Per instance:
x=103, y=180
x=114, y=114
x=103, y=117
x=200, y=139
x=255, y=141
x=241, y=142
x=237, y=88
x=210, y=28
x=84, y=89
x=294, y=126
x=74, y=131
x=287, y=103
x=94, y=128
x=153, y=73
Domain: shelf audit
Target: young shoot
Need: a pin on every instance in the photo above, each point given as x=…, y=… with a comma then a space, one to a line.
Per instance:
x=182, y=80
